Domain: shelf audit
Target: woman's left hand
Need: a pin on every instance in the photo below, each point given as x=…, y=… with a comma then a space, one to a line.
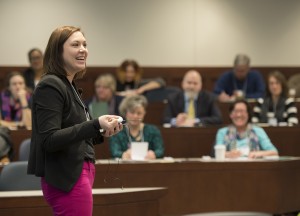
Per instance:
x=256, y=154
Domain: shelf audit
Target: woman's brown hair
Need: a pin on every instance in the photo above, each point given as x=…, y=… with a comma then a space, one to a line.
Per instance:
x=123, y=67
x=243, y=101
x=10, y=75
x=53, y=58
x=281, y=79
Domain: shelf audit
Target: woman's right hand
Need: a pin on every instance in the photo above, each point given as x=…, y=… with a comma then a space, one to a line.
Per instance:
x=126, y=155
x=110, y=125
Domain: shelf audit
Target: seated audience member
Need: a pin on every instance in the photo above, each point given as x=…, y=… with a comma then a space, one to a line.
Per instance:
x=130, y=81
x=133, y=108
x=241, y=82
x=6, y=149
x=15, y=102
x=276, y=108
x=241, y=138
x=105, y=101
x=192, y=106
x=294, y=85
x=34, y=72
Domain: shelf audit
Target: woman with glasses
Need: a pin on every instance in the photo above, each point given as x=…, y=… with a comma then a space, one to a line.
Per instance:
x=241, y=138
x=277, y=108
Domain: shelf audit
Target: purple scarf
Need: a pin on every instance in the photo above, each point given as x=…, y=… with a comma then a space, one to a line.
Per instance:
x=7, y=108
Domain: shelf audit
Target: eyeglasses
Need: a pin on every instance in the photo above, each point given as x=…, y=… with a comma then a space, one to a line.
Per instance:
x=35, y=58
x=239, y=111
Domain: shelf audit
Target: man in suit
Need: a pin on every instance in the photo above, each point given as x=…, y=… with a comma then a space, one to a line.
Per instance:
x=192, y=106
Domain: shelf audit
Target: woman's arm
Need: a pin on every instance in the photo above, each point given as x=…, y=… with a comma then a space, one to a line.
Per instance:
x=51, y=105
x=150, y=84
x=260, y=154
x=267, y=147
x=157, y=143
x=291, y=110
x=26, y=111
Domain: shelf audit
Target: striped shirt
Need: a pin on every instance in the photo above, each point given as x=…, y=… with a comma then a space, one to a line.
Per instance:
x=284, y=111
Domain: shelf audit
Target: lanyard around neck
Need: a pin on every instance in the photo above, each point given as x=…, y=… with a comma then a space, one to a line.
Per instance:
x=141, y=134
x=82, y=104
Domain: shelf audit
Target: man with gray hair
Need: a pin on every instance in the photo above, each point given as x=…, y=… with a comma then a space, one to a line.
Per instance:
x=241, y=82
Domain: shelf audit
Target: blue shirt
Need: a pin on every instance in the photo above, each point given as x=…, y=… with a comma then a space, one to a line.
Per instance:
x=253, y=86
x=264, y=141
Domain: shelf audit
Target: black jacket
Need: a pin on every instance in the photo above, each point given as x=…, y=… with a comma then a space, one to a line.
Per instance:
x=59, y=133
x=207, y=110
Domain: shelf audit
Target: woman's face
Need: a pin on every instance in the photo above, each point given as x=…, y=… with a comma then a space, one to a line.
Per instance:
x=16, y=83
x=130, y=73
x=75, y=53
x=135, y=116
x=36, y=60
x=103, y=92
x=275, y=86
x=239, y=115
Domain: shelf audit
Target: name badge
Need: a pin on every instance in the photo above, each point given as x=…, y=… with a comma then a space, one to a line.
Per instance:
x=272, y=121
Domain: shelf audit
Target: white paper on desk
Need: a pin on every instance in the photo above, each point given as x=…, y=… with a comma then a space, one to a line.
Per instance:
x=139, y=150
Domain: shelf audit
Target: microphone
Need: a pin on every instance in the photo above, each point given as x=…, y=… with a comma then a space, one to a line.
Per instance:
x=80, y=91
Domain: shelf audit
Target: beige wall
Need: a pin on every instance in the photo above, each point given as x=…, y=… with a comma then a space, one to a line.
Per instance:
x=158, y=32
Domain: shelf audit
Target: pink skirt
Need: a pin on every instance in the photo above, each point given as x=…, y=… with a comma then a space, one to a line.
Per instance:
x=77, y=202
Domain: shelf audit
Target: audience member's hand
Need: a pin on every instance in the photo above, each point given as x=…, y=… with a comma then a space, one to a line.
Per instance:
x=189, y=122
x=150, y=155
x=256, y=154
x=233, y=154
x=180, y=119
x=110, y=125
x=223, y=97
x=22, y=97
x=126, y=155
x=140, y=90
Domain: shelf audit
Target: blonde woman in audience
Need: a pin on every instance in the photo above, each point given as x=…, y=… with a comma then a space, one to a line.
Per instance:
x=105, y=101
x=243, y=139
x=15, y=102
x=34, y=73
x=130, y=81
x=276, y=108
x=133, y=108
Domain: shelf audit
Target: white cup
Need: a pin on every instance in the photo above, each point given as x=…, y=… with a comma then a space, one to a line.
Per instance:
x=220, y=152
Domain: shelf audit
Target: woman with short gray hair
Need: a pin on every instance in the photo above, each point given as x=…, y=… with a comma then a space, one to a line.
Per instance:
x=133, y=109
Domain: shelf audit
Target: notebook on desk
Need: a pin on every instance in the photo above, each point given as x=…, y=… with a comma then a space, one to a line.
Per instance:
x=139, y=150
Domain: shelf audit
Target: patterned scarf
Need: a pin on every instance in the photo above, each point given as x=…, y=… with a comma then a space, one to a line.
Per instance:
x=232, y=136
x=8, y=109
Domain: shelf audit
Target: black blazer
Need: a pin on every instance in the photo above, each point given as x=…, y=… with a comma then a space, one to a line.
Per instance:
x=59, y=133
x=207, y=110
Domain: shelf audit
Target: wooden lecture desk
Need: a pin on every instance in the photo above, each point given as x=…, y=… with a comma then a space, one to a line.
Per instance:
x=114, y=202
x=205, y=185
x=191, y=142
